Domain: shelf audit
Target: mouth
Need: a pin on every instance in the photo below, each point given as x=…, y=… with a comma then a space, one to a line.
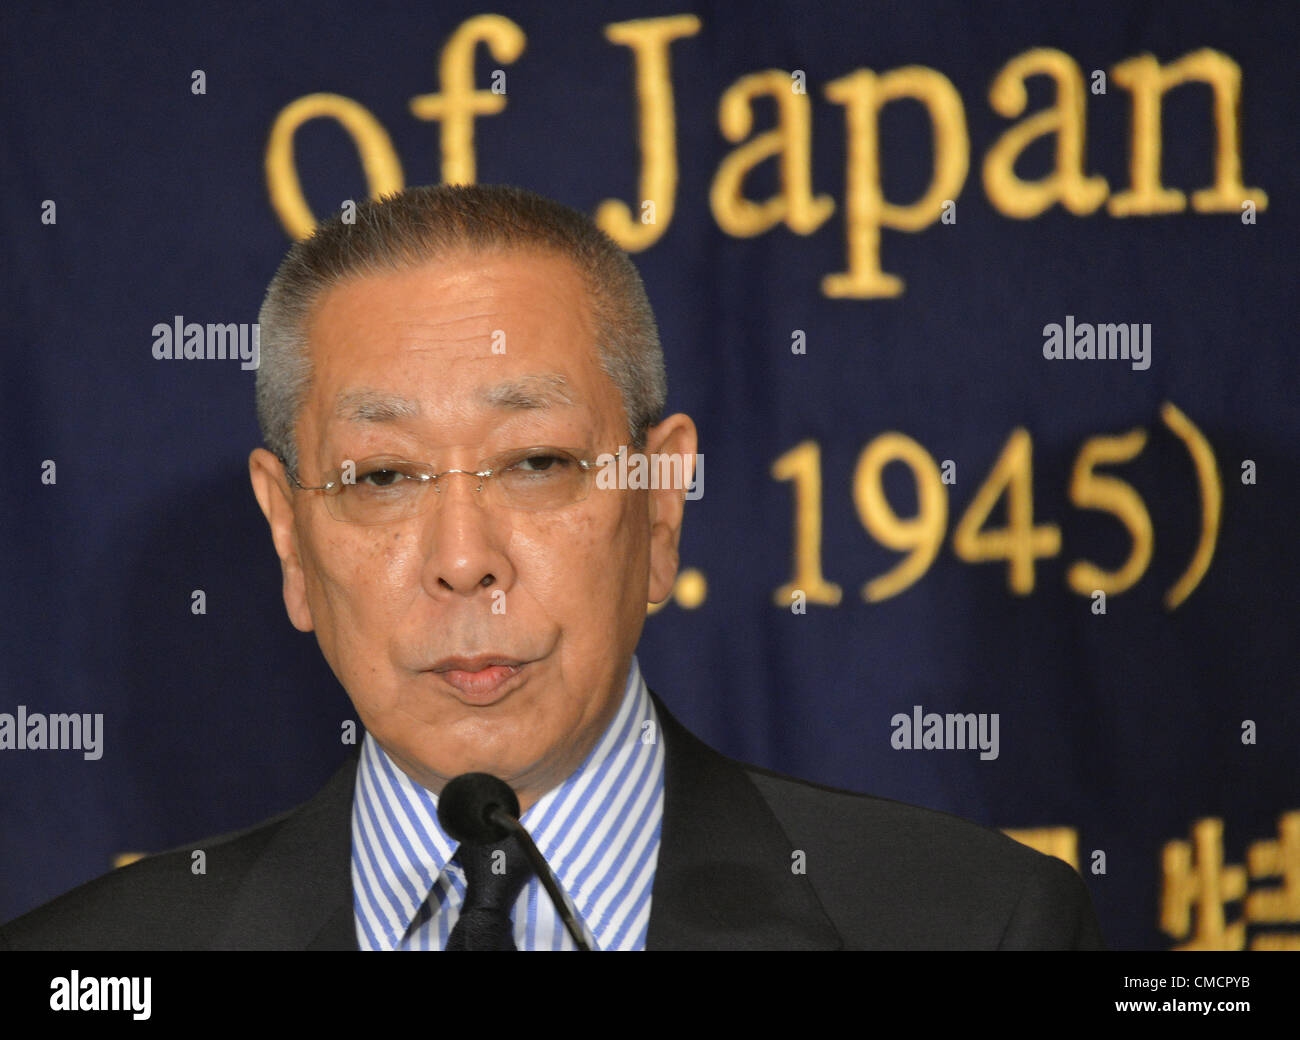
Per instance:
x=480, y=680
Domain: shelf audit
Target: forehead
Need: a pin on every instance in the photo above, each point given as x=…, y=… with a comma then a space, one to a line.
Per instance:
x=451, y=341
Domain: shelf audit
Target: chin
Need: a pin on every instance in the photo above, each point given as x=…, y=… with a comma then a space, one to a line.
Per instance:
x=496, y=753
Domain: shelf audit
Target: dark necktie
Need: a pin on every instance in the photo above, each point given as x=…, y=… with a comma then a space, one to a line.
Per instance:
x=495, y=874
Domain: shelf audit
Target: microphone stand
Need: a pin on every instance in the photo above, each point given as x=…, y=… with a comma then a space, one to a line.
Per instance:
x=503, y=819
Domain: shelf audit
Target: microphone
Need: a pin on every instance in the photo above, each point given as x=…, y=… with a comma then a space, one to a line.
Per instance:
x=478, y=809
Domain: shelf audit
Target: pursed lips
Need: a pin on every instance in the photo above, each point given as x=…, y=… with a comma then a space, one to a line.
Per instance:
x=480, y=679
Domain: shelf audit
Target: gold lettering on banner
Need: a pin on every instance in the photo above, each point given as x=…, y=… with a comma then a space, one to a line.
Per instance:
x=379, y=160
x=649, y=39
x=1148, y=82
x=863, y=94
x=921, y=534
x=791, y=141
x=459, y=103
x=1067, y=185
x=1019, y=541
x=1195, y=878
x=1276, y=905
x=1211, y=492
x=1061, y=842
x=802, y=466
x=1089, y=490
x=1022, y=541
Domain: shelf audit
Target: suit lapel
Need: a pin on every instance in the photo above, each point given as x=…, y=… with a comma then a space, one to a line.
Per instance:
x=298, y=893
x=724, y=877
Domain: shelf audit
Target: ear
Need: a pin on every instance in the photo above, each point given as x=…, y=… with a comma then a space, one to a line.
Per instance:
x=677, y=438
x=275, y=497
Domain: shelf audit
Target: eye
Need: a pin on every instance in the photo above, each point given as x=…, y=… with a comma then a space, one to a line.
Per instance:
x=380, y=478
x=549, y=462
x=387, y=474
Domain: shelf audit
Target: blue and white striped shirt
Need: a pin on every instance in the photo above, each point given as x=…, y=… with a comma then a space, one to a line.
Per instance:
x=599, y=830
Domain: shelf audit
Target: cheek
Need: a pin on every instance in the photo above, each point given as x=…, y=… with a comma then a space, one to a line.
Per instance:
x=582, y=565
x=550, y=557
x=357, y=580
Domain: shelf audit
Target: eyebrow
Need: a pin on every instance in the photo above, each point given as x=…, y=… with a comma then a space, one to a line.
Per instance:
x=535, y=390
x=374, y=406
x=532, y=391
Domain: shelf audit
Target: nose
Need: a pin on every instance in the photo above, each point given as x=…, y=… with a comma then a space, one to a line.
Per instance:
x=464, y=542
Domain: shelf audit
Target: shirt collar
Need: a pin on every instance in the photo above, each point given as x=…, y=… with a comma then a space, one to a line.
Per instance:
x=598, y=830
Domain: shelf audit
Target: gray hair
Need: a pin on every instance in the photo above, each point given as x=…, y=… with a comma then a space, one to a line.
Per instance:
x=422, y=224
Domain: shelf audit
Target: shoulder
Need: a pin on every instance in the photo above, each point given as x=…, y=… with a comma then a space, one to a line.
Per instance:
x=892, y=875
x=171, y=900
x=271, y=883
x=887, y=875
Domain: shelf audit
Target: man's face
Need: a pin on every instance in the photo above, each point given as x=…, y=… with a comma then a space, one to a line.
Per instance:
x=449, y=364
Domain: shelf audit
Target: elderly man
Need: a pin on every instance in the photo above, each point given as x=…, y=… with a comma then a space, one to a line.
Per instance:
x=442, y=381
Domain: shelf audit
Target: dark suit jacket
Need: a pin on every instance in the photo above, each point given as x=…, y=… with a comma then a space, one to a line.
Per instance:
x=876, y=874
